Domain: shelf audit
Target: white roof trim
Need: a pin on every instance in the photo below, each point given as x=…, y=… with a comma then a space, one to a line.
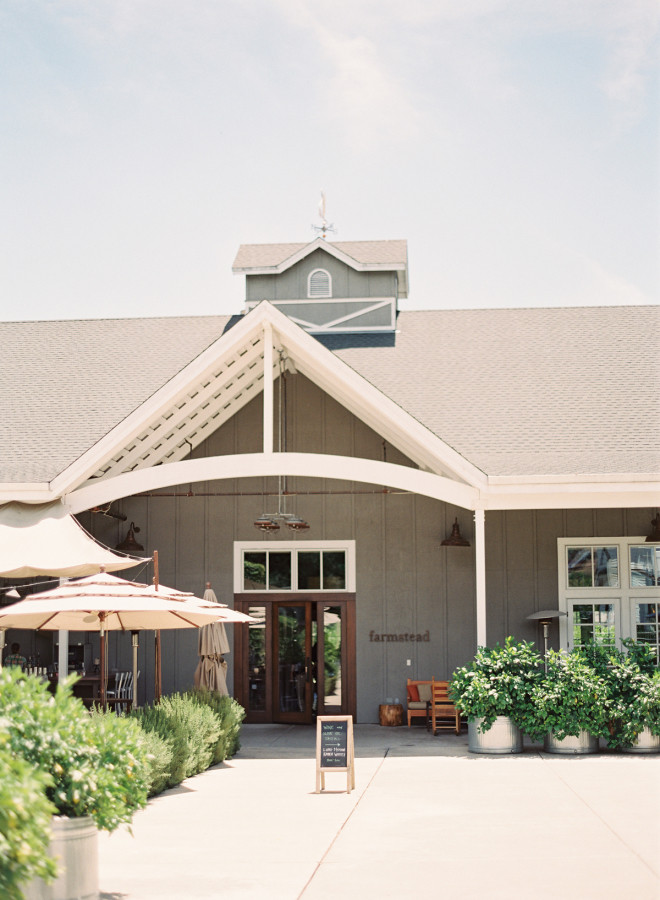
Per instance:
x=320, y=244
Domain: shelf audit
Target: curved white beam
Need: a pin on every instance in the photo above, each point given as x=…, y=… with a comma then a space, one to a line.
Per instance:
x=249, y=465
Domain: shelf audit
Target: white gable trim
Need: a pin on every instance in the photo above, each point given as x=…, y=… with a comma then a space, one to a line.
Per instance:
x=318, y=364
x=320, y=244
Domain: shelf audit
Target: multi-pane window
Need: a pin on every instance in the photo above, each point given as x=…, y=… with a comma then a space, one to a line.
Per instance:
x=610, y=590
x=645, y=565
x=592, y=566
x=282, y=567
x=593, y=623
x=647, y=626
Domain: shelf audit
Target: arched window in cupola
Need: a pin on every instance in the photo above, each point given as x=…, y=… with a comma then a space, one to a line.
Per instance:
x=319, y=284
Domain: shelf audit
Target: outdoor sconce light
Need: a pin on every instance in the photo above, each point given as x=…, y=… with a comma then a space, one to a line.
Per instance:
x=129, y=544
x=455, y=539
x=654, y=537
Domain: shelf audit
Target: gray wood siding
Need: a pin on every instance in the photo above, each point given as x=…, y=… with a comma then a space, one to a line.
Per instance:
x=406, y=582
x=346, y=282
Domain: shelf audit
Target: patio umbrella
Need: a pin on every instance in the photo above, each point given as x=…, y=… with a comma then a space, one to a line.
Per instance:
x=105, y=603
x=212, y=644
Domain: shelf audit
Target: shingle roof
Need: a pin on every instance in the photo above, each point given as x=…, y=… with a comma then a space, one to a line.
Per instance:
x=529, y=391
x=516, y=392
x=257, y=256
x=64, y=385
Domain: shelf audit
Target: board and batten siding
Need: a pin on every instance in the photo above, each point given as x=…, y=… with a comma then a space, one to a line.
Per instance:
x=346, y=282
x=406, y=582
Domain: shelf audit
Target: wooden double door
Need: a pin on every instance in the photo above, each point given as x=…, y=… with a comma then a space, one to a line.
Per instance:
x=298, y=661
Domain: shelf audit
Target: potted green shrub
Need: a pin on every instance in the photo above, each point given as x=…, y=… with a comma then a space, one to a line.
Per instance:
x=570, y=704
x=494, y=692
x=95, y=766
x=633, y=684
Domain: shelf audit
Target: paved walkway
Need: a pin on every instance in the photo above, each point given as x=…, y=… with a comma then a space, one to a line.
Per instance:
x=427, y=819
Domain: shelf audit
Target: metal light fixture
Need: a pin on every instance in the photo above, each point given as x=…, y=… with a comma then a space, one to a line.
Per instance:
x=129, y=544
x=654, y=537
x=270, y=522
x=455, y=539
x=266, y=523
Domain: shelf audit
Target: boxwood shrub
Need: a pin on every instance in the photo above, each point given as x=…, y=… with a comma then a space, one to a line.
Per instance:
x=231, y=715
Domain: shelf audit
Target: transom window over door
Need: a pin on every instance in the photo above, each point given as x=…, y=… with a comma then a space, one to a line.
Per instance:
x=283, y=566
x=610, y=590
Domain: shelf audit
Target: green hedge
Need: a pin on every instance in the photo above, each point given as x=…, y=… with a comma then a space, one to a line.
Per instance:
x=231, y=715
x=199, y=729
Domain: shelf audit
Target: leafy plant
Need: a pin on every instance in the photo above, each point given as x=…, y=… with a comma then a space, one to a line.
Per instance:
x=25, y=815
x=571, y=697
x=498, y=682
x=230, y=714
x=159, y=753
x=633, y=686
x=95, y=765
x=154, y=721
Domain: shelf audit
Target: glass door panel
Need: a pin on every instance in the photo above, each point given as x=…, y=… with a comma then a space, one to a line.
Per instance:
x=257, y=660
x=332, y=660
x=293, y=633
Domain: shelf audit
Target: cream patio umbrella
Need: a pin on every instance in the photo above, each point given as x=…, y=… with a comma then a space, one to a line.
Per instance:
x=212, y=644
x=105, y=603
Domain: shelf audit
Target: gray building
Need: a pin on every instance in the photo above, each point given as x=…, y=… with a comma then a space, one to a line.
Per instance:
x=313, y=456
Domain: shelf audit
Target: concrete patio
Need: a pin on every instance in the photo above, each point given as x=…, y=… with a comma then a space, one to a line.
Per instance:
x=427, y=819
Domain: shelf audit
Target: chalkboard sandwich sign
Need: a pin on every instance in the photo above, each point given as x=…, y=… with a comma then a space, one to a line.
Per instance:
x=335, y=751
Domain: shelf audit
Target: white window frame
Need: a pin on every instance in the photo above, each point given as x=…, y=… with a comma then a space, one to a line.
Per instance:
x=241, y=547
x=623, y=597
x=323, y=296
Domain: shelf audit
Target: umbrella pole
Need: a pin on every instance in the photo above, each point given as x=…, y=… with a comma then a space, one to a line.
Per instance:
x=103, y=661
x=2, y=644
x=158, y=681
x=135, y=640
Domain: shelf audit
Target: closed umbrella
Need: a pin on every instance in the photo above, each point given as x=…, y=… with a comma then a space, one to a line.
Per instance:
x=212, y=644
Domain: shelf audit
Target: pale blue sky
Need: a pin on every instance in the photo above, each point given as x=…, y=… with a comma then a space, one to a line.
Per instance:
x=514, y=143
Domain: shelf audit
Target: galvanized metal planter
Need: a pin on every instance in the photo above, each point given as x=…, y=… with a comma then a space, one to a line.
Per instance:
x=645, y=743
x=75, y=846
x=583, y=743
x=502, y=737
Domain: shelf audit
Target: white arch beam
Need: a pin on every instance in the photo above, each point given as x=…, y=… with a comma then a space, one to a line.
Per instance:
x=249, y=465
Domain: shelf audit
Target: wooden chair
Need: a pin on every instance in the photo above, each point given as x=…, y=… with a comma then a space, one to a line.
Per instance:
x=443, y=714
x=418, y=698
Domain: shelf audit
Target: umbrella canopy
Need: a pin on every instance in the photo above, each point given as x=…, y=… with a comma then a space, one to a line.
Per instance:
x=105, y=603
x=45, y=539
x=212, y=644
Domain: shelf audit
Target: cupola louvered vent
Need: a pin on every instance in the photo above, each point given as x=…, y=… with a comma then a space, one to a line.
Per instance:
x=320, y=284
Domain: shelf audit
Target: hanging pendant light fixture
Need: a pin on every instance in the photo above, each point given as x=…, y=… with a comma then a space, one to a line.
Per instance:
x=270, y=522
x=129, y=544
x=654, y=537
x=455, y=539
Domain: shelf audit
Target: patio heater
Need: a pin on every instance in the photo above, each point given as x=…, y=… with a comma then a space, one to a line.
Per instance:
x=545, y=617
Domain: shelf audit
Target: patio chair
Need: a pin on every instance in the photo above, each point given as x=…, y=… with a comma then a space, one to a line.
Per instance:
x=443, y=713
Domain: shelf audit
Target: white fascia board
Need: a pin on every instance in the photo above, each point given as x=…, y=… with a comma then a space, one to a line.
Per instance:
x=320, y=244
x=522, y=481
x=250, y=465
x=26, y=493
x=163, y=399
x=363, y=399
x=594, y=496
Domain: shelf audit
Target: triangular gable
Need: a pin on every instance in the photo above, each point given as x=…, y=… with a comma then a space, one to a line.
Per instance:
x=226, y=376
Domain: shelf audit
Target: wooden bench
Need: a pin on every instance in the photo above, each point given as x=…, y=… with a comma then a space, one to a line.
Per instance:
x=418, y=698
x=443, y=713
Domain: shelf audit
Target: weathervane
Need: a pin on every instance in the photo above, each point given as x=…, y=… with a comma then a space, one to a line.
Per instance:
x=325, y=226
